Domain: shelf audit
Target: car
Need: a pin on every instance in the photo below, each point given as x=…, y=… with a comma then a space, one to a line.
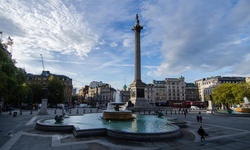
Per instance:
x=39, y=105
x=82, y=106
x=61, y=106
x=195, y=108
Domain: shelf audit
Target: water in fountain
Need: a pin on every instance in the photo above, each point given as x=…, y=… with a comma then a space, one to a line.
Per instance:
x=115, y=113
x=245, y=100
x=117, y=96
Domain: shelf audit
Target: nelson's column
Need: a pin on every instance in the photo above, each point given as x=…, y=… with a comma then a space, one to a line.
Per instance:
x=137, y=87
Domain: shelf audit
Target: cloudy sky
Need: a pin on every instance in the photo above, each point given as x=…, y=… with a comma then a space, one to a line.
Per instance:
x=92, y=40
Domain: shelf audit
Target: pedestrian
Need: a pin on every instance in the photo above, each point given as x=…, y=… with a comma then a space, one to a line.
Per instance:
x=202, y=133
x=200, y=119
x=185, y=114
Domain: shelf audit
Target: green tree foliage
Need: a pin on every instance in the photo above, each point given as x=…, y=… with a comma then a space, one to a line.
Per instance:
x=11, y=78
x=230, y=93
x=36, y=93
x=55, y=91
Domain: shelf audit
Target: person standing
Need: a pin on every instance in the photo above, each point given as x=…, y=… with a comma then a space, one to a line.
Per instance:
x=202, y=133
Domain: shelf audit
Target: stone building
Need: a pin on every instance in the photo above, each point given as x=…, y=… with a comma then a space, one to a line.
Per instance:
x=100, y=94
x=149, y=94
x=125, y=94
x=192, y=93
x=43, y=79
x=168, y=89
x=205, y=85
x=82, y=96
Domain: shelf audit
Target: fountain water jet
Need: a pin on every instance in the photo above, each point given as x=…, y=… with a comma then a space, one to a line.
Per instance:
x=114, y=113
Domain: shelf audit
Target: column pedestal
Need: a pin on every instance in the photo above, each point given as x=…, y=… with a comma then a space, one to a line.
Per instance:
x=210, y=108
x=43, y=110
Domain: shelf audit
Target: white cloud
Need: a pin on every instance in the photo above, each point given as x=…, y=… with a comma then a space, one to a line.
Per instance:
x=93, y=41
x=191, y=34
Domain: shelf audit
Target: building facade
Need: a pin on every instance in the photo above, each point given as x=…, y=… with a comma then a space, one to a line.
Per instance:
x=192, y=93
x=149, y=93
x=206, y=85
x=43, y=79
x=100, y=94
x=166, y=90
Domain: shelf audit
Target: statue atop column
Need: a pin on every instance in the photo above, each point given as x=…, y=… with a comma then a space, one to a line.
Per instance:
x=137, y=19
x=137, y=26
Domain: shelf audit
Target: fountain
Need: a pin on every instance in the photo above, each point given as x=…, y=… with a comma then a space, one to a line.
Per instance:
x=117, y=123
x=244, y=107
x=114, y=113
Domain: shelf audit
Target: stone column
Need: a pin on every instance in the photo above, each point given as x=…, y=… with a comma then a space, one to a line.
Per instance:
x=137, y=29
x=137, y=93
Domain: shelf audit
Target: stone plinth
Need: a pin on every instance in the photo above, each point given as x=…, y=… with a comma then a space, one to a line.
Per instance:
x=43, y=110
x=210, y=108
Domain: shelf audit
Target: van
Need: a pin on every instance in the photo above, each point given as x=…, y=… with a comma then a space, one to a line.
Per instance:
x=60, y=106
x=195, y=108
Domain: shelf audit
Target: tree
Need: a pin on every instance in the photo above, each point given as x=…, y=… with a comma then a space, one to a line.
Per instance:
x=222, y=94
x=11, y=78
x=230, y=93
x=55, y=91
x=36, y=93
x=240, y=91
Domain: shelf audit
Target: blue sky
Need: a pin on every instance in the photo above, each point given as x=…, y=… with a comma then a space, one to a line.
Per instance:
x=92, y=40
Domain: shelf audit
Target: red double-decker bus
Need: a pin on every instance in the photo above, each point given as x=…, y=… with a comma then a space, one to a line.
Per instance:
x=198, y=104
x=179, y=104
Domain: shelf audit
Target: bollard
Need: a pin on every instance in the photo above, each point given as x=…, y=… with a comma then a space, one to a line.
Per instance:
x=55, y=111
x=90, y=110
x=84, y=111
x=139, y=111
x=149, y=112
x=70, y=111
x=10, y=113
x=31, y=112
x=21, y=112
x=77, y=111
x=166, y=112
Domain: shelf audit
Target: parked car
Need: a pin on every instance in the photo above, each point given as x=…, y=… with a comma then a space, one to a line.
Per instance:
x=60, y=106
x=195, y=108
x=39, y=105
x=82, y=106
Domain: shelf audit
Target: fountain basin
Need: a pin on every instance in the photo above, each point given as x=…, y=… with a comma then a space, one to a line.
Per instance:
x=144, y=127
x=117, y=115
x=242, y=110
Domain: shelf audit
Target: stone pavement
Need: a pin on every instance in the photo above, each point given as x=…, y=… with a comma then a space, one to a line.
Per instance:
x=225, y=133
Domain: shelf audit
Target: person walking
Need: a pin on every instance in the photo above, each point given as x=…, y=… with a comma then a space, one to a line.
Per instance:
x=202, y=133
x=200, y=118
